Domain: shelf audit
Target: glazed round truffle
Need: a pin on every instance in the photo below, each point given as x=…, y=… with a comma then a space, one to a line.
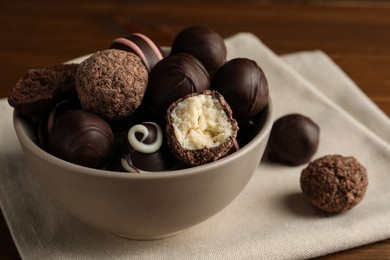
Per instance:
x=142, y=46
x=47, y=121
x=145, y=149
x=111, y=83
x=200, y=128
x=204, y=43
x=244, y=86
x=293, y=140
x=82, y=138
x=172, y=78
x=41, y=88
x=334, y=183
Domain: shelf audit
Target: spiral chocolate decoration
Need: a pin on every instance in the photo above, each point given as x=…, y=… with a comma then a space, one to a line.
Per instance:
x=151, y=139
x=143, y=142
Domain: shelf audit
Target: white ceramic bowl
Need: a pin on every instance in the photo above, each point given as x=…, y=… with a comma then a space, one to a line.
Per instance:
x=144, y=206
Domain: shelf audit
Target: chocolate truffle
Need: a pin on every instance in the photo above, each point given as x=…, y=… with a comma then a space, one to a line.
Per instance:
x=142, y=46
x=145, y=149
x=200, y=128
x=41, y=88
x=249, y=128
x=173, y=78
x=293, y=140
x=204, y=43
x=82, y=138
x=111, y=83
x=47, y=121
x=243, y=85
x=334, y=183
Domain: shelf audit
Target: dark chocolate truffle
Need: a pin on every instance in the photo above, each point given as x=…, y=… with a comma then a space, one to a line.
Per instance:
x=334, y=183
x=142, y=46
x=173, y=78
x=249, y=128
x=82, y=138
x=204, y=43
x=200, y=128
x=293, y=140
x=47, y=121
x=111, y=83
x=145, y=150
x=243, y=85
x=41, y=88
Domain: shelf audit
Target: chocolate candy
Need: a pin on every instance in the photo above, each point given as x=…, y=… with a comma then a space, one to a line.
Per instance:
x=249, y=128
x=334, y=183
x=173, y=78
x=244, y=86
x=145, y=149
x=41, y=88
x=294, y=139
x=204, y=43
x=111, y=83
x=47, y=121
x=82, y=138
x=142, y=46
x=200, y=128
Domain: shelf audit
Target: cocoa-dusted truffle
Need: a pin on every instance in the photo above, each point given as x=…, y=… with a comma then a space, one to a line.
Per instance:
x=173, y=78
x=293, y=140
x=111, y=83
x=334, y=183
x=141, y=45
x=200, y=128
x=82, y=138
x=204, y=43
x=41, y=88
x=244, y=86
x=145, y=149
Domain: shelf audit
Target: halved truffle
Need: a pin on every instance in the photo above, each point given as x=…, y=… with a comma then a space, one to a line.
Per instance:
x=200, y=128
x=41, y=88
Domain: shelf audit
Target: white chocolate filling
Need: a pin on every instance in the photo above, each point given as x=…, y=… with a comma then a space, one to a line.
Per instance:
x=139, y=145
x=200, y=122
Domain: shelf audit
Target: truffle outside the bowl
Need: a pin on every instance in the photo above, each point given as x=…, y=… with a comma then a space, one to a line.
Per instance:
x=144, y=206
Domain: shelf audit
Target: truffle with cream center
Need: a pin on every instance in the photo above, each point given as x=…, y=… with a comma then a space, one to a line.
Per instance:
x=200, y=128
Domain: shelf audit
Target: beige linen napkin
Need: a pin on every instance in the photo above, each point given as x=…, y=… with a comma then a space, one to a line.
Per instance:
x=336, y=85
x=269, y=220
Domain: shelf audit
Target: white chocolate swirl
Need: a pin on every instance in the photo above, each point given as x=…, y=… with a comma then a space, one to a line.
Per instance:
x=128, y=167
x=138, y=145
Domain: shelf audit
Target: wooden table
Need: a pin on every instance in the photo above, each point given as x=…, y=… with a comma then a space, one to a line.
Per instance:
x=355, y=34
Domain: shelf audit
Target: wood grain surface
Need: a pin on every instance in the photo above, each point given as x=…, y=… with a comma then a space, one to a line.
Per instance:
x=355, y=34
